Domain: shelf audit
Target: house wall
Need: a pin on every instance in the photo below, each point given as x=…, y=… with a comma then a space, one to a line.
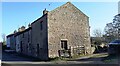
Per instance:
x=12, y=43
x=8, y=41
x=23, y=42
x=39, y=37
x=27, y=42
x=17, y=43
x=67, y=22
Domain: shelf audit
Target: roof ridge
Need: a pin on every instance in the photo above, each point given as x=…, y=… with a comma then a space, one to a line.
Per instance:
x=61, y=6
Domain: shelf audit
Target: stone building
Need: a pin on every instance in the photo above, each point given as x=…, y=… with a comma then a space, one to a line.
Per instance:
x=63, y=28
x=69, y=25
x=11, y=42
x=23, y=41
x=18, y=42
x=11, y=38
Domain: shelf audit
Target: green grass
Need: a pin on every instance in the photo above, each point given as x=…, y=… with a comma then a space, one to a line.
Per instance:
x=99, y=55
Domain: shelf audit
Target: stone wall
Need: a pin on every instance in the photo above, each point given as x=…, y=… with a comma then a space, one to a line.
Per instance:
x=8, y=42
x=26, y=41
x=23, y=42
x=17, y=38
x=67, y=22
x=39, y=37
x=12, y=42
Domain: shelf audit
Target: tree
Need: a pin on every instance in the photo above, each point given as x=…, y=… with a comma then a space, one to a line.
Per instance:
x=112, y=30
x=97, y=40
x=3, y=42
x=3, y=37
x=97, y=33
x=98, y=36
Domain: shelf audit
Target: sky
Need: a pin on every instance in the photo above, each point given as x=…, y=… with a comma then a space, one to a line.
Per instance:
x=16, y=14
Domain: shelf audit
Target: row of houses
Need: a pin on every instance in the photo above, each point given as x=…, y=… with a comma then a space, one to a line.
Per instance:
x=64, y=28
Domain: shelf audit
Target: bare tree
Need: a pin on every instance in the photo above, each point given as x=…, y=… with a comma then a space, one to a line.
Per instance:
x=98, y=36
x=3, y=37
x=97, y=33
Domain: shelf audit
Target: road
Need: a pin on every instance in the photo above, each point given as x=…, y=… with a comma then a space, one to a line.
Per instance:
x=15, y=57
x=17, y=60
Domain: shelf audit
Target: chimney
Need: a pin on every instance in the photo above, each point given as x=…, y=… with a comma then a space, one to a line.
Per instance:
x=29, y=25
x=23, y=28
x=15, y=31
x=45, y=11
x=19, y=29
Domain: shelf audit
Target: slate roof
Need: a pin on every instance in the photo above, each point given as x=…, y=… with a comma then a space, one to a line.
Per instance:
x=10, y=35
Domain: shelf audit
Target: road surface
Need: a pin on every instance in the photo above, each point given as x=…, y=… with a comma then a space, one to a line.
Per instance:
x=15, y=57
x=17, y=60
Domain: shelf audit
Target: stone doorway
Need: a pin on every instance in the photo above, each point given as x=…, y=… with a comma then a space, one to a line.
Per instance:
x=64, y=44
x=37, y=49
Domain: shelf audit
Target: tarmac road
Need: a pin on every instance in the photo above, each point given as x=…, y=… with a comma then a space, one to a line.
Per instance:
x=15, y=57
x=16, y=60
x=51, y=64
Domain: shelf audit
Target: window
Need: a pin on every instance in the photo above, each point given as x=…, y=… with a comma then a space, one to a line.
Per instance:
x=41, y=25
x=23, y=35
x=21, y=46
x=64, y=44
x=28, y=36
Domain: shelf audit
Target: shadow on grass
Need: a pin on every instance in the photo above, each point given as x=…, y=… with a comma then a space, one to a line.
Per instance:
x=111, y=58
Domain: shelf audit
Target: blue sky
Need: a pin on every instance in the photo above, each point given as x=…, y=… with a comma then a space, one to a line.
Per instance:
x=16, y=14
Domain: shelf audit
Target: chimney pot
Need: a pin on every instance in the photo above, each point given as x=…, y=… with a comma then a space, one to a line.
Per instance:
x=45, y=11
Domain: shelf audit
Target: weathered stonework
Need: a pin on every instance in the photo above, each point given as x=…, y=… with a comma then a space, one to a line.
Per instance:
x=67, y=22
x=11, y=41
x=39, y=37
x=23, y=42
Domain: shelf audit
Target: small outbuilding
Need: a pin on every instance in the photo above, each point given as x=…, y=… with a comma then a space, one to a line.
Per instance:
x=114, y=47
